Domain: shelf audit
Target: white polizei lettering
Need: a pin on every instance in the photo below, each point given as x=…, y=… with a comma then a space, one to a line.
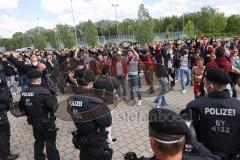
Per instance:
x=27, y=94
x=206, y=110
x=220, y=111
x=232, y=112
x=212, y=111
x=225, y=112
x=75, y=103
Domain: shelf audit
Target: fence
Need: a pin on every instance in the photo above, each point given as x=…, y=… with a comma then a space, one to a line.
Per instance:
x=119, y=38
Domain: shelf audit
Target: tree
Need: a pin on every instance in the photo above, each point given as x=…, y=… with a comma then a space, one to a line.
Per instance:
x=7, y=43
x=189, y=28
x=90, y=32
x=233, y=24
x=66, y=35
x=219, y=22
x=17, y=39
x=39, y=41
x=51, y=38
x=143, y=12
x=144, y=32
x=167, y=32
x=145, y=27
x=27, y=40
x=36, y=37
x=129, y=26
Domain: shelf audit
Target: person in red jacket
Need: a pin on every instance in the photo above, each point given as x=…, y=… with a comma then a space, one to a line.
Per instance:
x=93, y=66
x=149, y=70
x=119, y=70
x=221, y=62
x=104, y=64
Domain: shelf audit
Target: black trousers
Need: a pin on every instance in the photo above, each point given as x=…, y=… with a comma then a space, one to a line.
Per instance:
x=95, y=152
x=4, y=137
x=45, y=133
x=172, y=74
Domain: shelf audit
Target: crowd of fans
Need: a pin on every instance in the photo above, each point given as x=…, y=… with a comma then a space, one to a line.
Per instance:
x=167, y=60
x=206, y=64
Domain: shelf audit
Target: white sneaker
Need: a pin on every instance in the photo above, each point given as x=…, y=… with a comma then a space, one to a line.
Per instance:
x=184, y=91
x=139, y=103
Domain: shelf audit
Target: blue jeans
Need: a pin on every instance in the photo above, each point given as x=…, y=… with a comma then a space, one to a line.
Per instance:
x=23, y=80
x=176, y=73
x=133, y=81
x=183, y=73
x=12, y=83
x=160, y=99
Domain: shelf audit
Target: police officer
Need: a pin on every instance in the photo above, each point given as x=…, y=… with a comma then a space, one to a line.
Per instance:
x=40, y=107
x=5, y=100
x=168, y=135
x=216, y=116
x=91, y=116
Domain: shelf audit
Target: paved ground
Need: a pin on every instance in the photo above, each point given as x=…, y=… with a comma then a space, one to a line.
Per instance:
x=129, y=127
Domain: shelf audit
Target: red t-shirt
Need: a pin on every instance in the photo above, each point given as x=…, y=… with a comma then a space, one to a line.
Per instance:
x=220, y=63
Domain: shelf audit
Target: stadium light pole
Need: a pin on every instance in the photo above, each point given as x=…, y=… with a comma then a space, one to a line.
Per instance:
x=115, y=6
x=74, y=26
x=38, y=27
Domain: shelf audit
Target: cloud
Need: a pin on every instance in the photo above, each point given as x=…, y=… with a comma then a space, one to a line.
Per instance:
x=164, y=8
x=92, y=9
x=8, y=4
x=10, y=25
x=103, y=9
x=97, y=10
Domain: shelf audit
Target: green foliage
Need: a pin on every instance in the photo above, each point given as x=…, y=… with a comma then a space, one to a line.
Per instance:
x=90, y=32
x=51, y=38
x=39, y=42
x=219, y=23
x=143, y=12
x=233, y=24
x=145, y=27
x=66, y=35
x=7, y=43
x=27, y=41
x=189, y=28
x=144, y=32
x=17, y=39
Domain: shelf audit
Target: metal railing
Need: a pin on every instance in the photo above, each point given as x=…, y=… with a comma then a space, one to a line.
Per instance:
x=101, y=40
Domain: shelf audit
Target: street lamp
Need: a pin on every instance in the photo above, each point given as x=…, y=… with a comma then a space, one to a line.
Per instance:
x=75, y=32
x=115, y=6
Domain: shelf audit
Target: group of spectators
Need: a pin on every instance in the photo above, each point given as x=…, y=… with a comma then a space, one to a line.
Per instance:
x=206, y=64
x=166, y=60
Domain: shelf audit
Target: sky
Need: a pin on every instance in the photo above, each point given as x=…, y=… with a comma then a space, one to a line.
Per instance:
x=21, y=15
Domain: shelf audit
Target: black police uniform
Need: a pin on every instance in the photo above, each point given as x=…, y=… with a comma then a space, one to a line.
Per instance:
x=91, y=116
x=105, y=87
x=40, y=106
x=5, y=100
x=166, y=123
x=216, y=118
